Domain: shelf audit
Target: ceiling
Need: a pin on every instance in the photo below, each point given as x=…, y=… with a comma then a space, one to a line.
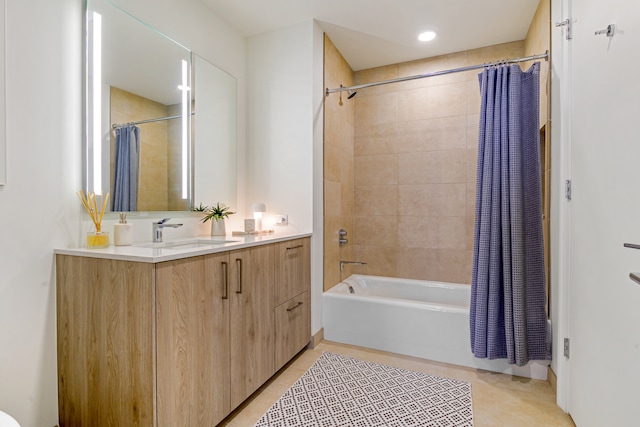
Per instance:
x=372, y=33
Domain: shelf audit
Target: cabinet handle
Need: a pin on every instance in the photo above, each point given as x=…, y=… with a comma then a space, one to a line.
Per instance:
x=225, y=272
x=295, y=306
x=239, y=265
x=295, y=247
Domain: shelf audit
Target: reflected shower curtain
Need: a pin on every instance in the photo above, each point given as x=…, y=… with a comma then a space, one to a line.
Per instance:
x=126, y=169
x=508, y=292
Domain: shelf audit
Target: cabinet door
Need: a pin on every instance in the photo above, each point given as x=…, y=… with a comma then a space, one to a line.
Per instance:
x=251, y=293
x=106, y=365
x=293, y=328
x=292, y=270
x=192, y=341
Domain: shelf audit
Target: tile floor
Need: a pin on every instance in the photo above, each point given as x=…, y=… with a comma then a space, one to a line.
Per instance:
x=498, y=399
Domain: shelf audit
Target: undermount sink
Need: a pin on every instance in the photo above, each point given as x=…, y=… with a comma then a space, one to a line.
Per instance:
x=186, y=244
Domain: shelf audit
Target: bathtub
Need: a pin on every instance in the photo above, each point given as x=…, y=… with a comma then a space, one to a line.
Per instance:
x=417, y=318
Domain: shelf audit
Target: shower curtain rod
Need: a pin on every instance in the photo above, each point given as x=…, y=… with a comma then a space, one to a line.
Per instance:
x=544, y=56
x=141, y=122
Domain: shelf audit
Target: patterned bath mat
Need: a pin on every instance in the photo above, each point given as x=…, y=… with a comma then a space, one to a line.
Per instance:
x=342, y=391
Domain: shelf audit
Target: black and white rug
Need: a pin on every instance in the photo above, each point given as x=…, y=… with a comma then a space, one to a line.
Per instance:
x=342, y=391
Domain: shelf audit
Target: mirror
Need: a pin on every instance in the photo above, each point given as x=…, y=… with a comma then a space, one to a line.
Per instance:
x=214, y=131
x=146, y=143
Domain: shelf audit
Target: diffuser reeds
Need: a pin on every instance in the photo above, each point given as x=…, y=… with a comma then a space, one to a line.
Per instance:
x=94, y=209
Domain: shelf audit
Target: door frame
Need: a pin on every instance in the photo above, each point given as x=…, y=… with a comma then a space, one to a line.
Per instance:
x=561, y=87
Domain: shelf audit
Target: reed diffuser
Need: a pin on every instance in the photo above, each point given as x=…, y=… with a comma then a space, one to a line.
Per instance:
x=95, y=239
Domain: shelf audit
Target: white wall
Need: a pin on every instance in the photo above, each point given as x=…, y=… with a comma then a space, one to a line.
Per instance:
x=280, y=112
x=284, y=149
x=38, y=208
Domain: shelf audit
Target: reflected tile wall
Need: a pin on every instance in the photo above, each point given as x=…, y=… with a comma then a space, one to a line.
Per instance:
x=415, y=149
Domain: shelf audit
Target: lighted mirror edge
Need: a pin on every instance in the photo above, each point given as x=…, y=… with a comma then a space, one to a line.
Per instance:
x=88, y=129
x=96, y=87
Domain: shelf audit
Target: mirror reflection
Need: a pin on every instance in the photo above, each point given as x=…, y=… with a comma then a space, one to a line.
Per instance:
x=214, y=130
x=142, y=131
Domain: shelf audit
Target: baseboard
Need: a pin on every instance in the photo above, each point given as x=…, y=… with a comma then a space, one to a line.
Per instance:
x=553, y=380
x=316, y=339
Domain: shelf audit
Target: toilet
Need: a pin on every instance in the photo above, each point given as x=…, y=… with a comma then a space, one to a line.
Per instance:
x=7, y=420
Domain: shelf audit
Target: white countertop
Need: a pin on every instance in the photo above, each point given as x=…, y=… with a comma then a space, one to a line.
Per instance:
x=154, y=252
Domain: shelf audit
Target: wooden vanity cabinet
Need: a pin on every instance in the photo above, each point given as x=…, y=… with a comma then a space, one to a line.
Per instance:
x=106, y=335
x=292, y=299
x=252, y=329
x=177, y=343
x=193, y=358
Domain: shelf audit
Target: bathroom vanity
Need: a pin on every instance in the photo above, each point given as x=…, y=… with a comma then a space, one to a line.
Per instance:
x=177, y=335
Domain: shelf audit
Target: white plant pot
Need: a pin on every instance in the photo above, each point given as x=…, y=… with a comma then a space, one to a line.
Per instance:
x=218, y=227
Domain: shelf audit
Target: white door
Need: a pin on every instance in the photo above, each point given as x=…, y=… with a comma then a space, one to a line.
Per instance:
x=604, y=316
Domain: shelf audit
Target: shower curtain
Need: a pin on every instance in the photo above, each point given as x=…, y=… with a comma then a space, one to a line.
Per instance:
x=126, y=169
x=508, y=293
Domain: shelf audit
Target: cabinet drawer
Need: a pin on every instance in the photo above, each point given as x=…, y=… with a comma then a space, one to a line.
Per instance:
x=292, y=270
x=293, y=327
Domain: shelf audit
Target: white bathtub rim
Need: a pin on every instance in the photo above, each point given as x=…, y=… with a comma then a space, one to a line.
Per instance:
x=448, y=308
x=360, y=280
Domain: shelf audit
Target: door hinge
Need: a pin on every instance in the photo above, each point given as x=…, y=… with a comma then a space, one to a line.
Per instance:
x=567, y=189
x=566, y=348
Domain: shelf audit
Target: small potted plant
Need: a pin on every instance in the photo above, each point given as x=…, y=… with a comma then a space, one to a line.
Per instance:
x=217, y=214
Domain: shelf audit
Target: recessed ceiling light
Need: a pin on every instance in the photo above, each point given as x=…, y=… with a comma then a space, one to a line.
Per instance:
x=427, y=36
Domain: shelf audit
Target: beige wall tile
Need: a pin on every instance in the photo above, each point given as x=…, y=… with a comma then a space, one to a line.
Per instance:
x=373, y=75
x=471, y=157
x=347, y=199
x=346, y=254
x=367, y=145
x=331, y=226
x=446, y=133
x=332, y=198
x=473, y=130
x=430, y=65
x=376, y=170
x=390, y=130
x=333, y=108
x=340, y=134
x=417, y=263
x=376, y=109
x=432, y=102
x=440, y=232
x=473, y=97
x=432, y=200
x=445, y=265
x=432, y=167
x=338, y=165
x=496, y=52
x=379, y=231
x=331, y=271
x=381, y=261
x=376, y=200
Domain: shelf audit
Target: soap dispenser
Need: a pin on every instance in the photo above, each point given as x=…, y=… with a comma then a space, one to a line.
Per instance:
x=122, y=232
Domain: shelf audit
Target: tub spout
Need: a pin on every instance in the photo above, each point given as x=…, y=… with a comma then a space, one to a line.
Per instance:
x=342, y=263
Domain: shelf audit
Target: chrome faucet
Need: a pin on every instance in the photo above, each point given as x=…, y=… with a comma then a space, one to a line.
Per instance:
x=342, y=263
x=158, y=226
